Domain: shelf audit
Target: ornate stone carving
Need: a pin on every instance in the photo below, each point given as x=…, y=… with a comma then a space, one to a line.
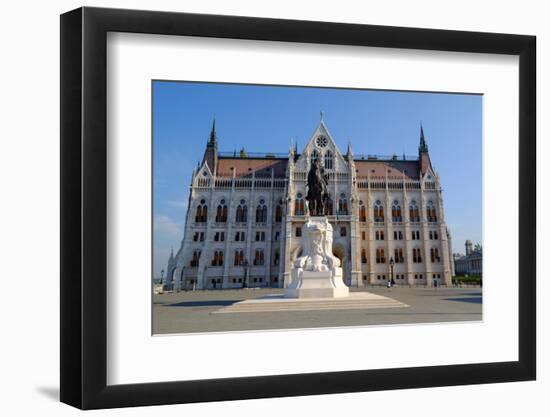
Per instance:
x=317, y=273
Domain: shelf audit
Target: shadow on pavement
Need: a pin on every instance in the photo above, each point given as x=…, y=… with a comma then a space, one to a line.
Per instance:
x=206, y=303
x=473, y=300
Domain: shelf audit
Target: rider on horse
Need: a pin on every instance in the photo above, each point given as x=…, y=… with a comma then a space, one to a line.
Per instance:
x=317, y=193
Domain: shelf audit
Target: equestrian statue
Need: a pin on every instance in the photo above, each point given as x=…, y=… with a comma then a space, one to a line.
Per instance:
x=317, y=190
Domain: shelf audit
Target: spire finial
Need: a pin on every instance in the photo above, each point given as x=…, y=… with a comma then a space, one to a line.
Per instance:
x=322, y=113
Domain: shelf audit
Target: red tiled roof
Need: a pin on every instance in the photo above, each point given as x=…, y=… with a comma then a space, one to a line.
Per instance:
x=393, y=168
x=245, y=166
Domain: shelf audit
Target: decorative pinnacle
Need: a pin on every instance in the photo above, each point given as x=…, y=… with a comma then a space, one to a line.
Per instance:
x=350, y=151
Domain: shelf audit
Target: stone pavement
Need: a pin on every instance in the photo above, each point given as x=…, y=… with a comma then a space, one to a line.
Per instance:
x=192, y=312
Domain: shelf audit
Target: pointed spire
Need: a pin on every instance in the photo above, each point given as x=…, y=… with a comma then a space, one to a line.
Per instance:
x=423, y=147
x=423, y=154
x=211, y=151
x=322, y=113
x=213, y=139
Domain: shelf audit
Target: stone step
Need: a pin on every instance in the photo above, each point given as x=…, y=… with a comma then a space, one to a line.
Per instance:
x=301, y=305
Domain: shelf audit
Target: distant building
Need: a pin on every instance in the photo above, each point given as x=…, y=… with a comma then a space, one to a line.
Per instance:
x=247, y=211
x=471, y=263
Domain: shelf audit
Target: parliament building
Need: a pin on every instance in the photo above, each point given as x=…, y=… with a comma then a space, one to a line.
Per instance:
x=246, y=214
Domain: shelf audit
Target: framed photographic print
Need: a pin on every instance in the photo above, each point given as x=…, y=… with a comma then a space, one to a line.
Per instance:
x=282, y=208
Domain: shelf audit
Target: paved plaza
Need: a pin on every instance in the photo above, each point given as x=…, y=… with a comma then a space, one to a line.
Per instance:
x=199, y=311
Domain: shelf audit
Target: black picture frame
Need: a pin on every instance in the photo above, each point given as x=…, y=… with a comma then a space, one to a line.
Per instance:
x=84, y=207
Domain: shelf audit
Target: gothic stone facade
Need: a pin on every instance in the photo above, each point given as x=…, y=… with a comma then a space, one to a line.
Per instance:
x=246, y=215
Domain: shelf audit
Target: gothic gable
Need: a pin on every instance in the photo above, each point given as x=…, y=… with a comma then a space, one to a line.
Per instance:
x=321, y=144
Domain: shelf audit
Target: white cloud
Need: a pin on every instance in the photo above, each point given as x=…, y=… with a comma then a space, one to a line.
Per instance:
x=177, y=203
x=165, y=227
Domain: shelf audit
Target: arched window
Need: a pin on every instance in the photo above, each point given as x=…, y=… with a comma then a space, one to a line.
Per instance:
x=329, y=208
x=398, y=256
x=195, y=258
x=259, y=257
x=217, y=260
x=278, y=213
x=221, y=212
x=396, y=212
x=430, y=212
x=299, y=205
x=314, y=156
x=414, y=214
x=434, y=255
x=362, y=212
x=417, y=256
x=328, y=160
x=261, y=212
x=380, y=256
x=241, y=213
x=363, y=256
x=239, y=257
x=378, y=212
x=343, y=204
x=202, y=212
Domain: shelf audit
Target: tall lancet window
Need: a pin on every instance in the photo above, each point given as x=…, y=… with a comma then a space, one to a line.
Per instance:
x=202, y=212
x=241, y=213
x=378, y=212
x=328, y=160
x=343, y=204
x=261, y=212
x=396, y=212
x=299, y=206
x=221, y=212
x=414, y=214
x=362, y=212
x=430, y=212
x=314, y=156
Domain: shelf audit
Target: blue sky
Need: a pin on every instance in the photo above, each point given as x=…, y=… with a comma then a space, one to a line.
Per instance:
x=266, y=118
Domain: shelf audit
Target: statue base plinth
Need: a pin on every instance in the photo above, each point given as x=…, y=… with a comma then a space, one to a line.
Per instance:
x=312, y=284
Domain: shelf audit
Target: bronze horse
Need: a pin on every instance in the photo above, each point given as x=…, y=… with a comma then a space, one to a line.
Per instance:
x=317, y=190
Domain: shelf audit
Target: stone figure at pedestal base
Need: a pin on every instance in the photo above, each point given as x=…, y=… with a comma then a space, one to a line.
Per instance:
x=317, y=274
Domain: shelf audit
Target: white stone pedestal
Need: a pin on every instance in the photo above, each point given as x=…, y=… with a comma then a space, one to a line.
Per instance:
x=317, y=274
x=312, y=284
